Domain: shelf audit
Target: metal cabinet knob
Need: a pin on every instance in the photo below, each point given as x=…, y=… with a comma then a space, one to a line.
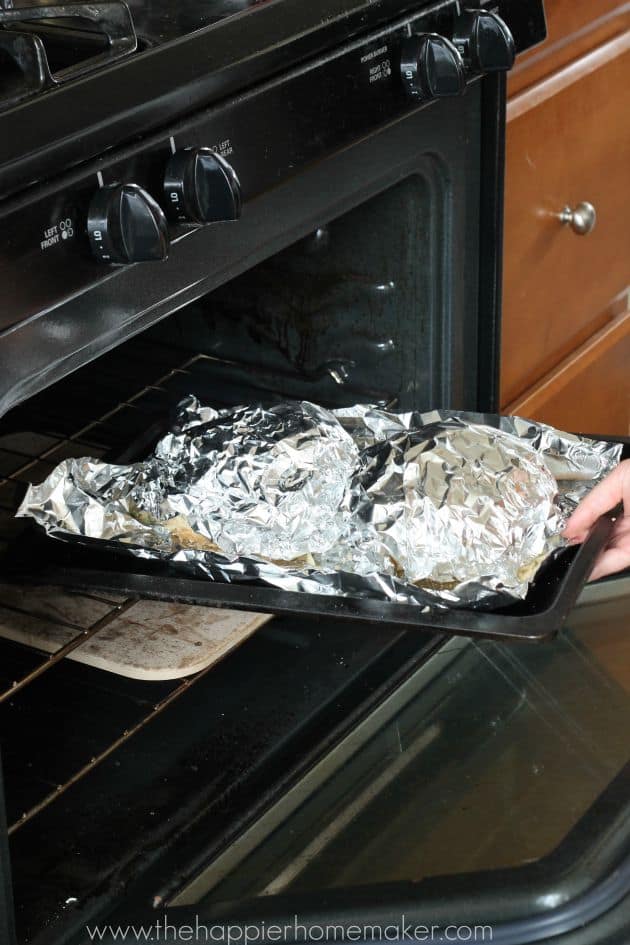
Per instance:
x=582, y=219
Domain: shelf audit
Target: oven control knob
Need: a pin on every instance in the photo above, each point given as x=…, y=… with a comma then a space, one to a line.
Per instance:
x=126, y=225
x=484, y=41
x=201, y=187
x=431, y=67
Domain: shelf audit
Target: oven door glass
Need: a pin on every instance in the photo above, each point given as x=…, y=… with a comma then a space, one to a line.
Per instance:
x=495, y=775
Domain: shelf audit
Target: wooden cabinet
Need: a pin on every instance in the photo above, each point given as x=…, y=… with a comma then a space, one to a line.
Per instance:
x=566, y=337
x=589, y=391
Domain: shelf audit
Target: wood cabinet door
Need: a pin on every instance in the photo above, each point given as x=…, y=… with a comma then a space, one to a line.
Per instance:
x=590, y=391
x=568, y=140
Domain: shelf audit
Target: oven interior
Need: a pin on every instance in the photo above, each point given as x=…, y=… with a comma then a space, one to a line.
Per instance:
x=122, y=775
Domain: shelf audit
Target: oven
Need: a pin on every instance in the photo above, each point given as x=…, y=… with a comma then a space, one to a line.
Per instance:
x=255, y=202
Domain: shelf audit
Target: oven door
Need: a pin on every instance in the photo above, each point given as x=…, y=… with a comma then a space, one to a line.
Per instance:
x=486, y=799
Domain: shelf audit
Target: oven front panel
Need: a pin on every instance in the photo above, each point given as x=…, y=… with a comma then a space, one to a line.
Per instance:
x=306, y=148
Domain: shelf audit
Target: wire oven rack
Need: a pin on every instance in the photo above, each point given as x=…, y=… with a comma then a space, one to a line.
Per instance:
x=107, y=411
x=54, y=426
x=129, y=435
x=99, y=410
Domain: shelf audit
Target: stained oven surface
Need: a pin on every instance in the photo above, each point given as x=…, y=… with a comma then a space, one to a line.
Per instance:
x=315, y=766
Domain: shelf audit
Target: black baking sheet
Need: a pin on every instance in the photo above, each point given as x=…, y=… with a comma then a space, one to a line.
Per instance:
x=35, y=558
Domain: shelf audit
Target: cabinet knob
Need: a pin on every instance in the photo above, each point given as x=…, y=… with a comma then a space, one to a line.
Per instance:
x=582, y=219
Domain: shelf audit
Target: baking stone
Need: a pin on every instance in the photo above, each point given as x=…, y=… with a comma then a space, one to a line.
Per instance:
x=150, y=640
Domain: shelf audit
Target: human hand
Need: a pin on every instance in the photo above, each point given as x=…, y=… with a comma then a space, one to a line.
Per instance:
x=606, y=495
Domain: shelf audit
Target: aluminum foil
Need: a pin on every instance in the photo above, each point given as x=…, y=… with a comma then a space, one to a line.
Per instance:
x=439, y=509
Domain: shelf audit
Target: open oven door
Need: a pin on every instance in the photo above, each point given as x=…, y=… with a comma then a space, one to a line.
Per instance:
x=488, y=796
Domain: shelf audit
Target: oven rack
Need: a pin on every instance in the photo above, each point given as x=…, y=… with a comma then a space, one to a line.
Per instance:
x=152, y=377
x=30, y=456
x=85, y=415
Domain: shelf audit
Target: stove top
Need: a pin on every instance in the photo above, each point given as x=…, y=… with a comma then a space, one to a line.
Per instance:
x=44, y=43
x=80, y=78
x=160, y=21
x=156, y=21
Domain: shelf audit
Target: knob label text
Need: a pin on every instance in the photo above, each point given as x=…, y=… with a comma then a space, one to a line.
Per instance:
x=63, y=230
x=377, y=70
x=224, y=148
x=374, y=54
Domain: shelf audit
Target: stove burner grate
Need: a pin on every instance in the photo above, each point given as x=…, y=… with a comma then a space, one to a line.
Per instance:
x=42, y=45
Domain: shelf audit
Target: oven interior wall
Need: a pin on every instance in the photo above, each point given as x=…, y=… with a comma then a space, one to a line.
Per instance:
x=355, y=312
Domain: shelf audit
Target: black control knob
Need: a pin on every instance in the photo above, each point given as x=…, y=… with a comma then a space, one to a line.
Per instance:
x=484, y=41
x=126, y=225
x=431, y=67
x=201, y=187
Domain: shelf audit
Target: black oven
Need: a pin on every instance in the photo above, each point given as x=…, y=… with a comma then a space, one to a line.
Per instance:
x=256, y=201
x=368, y=236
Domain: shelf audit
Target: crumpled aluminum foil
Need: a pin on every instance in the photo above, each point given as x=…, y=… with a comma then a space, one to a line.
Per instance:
x=439, y=509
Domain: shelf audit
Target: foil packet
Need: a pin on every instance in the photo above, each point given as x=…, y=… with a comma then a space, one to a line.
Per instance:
x=439, y=509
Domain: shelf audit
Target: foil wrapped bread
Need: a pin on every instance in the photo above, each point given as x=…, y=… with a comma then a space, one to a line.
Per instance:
x=438, y=508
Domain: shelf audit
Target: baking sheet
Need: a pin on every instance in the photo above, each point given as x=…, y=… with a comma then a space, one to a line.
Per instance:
x=150, y=640
x=38, y=559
